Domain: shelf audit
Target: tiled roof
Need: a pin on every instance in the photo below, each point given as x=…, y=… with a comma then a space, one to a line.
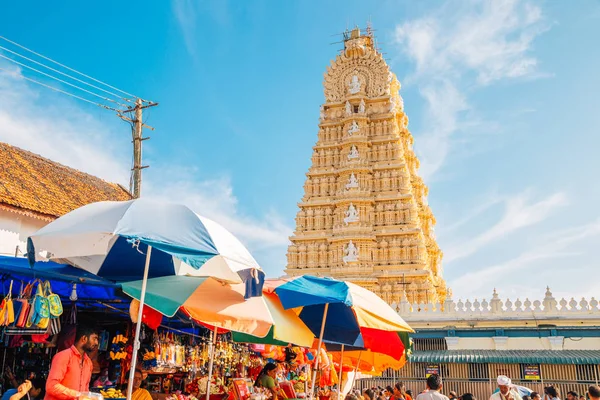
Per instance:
x=33, y=185
x=507, y=356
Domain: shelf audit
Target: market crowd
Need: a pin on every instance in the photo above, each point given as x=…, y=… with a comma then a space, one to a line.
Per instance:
x=434, y=390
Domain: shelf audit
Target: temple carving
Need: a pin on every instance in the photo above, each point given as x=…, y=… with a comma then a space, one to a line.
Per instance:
x=364, y=216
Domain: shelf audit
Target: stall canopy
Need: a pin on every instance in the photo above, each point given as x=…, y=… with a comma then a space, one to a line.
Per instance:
x=61, y=277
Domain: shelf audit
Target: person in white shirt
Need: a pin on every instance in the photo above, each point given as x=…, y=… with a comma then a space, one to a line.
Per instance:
x=507, y=391
x=434, y=385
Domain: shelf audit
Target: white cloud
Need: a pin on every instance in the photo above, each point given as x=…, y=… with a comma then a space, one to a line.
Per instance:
x=490, y=40
x=526, y=269
x=520, y=212
x=55, y=127
x=185, y=13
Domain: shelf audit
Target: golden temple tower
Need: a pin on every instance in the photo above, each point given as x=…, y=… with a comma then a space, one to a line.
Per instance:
x=364, y=215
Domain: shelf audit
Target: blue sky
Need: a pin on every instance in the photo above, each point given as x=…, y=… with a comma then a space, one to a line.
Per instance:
x=502, y=98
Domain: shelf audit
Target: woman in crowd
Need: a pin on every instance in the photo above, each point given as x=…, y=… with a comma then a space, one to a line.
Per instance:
x=266, y=379
x=139, y=393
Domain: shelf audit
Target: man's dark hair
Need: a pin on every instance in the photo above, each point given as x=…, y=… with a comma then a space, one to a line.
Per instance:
x=551, y=391
x=369, y=393
x=572, y=393
x=400, y=387
x=389, y=389
x=533, y=395
x=467, y=396
x=39, y=383
x=85, y=331
x=594, y=391
x=452, y=394
x=434, y=382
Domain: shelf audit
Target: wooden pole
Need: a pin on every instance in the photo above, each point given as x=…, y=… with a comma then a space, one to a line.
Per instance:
x=312, y=385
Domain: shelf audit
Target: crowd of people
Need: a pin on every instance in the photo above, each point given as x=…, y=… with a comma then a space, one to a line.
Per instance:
x=434, y=391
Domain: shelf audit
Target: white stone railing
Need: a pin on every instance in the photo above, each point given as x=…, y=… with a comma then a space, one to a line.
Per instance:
x=496, y=308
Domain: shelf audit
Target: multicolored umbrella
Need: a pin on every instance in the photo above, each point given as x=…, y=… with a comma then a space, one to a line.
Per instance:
x=354, y=316
x=342, y=312
x=222, y=306
x=110, y=239
x=115, y=239
x=287, y=328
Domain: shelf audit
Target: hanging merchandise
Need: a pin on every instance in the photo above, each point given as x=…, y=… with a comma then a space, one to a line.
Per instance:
x=25, y=306
x=7, y=312
x=54, y=303
x=41, y=309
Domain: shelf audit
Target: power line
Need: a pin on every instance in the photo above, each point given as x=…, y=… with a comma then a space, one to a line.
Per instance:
x=62, y=91
x=62, y=81
x=69, y=68
x=67, y=75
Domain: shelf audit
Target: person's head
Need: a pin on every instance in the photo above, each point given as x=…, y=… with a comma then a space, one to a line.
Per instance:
x=526, y=397
x=571, y=395
x=504, y=384
x=351, y=397
x=368, y=394
x=409, y=392
x=38, y=385
x=389, y=391
x=138, y=377
x=434, y=382
x=594, y=392
x=270, y=369
x=86, y=338
x=535, y=396
x=452, y=395
x=399, y=389
x=467, y=396
x=551, y=391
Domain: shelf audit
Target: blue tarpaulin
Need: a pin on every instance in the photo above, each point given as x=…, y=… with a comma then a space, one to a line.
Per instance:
x=61, y=277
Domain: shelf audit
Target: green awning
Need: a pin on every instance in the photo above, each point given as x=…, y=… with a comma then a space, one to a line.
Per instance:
x=507, y=356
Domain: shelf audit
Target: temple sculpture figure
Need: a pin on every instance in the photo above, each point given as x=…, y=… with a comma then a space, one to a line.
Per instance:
x=354, y=85
x=364, y=216
x=354, y=128
x=353, y=153
x=351, y=253
x=352, y=182
x=351, y=215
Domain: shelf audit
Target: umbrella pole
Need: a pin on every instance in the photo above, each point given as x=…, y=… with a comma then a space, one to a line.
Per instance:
x=340, y=379
x=314, y=379
x=136, y=341
x=356, y=370
x=211, y=362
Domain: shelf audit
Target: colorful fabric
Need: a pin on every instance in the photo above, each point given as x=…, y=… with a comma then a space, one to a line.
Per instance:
x=69, y=375
x=141, y=394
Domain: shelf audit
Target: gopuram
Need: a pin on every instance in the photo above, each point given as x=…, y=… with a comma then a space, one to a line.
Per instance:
x=364, y=216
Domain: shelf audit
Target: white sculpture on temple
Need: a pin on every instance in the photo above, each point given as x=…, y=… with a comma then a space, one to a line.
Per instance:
x=353, y=153
x=322, y=113
x=354, y=85
x=348, y=109
x=353, y=128
x=362, y=106
x=350, y=253
x=352, y=182
x=351, y=215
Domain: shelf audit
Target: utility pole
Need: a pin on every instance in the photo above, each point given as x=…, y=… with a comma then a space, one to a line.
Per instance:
x=137, y=124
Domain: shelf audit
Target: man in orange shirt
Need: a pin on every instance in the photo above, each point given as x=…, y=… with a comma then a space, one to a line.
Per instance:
x=71, y=369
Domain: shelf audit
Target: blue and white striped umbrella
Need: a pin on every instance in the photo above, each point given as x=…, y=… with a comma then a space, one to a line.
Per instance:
x=110, y=239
